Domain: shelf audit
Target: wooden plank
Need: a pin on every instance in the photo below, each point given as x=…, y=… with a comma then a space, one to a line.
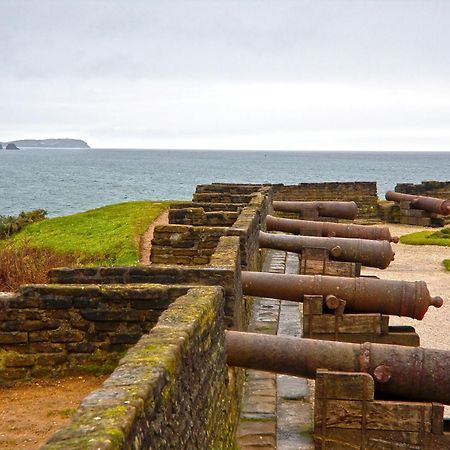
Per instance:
x=384, y=324
x=344, y=385
x=328, y=267
x=312, y=305
x=315, y=253
x=408, y=339
x=375, y=439
x=388, y=424
x=341, y=268
x=381, y=415
x=437, y=418
x=340, y=439
x=347, y=324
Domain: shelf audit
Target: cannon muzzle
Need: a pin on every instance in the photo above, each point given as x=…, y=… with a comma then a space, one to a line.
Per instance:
x=430, y=204
x=361, y=295
x=412, y=373
x=329, y=229
x=339, y=210
x=368, y=253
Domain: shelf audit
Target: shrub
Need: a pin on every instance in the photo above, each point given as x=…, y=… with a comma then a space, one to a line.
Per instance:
x=10, y=225
x=27, y=264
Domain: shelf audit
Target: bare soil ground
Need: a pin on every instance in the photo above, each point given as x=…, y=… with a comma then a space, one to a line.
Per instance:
x=30, y=412
x=422, y=262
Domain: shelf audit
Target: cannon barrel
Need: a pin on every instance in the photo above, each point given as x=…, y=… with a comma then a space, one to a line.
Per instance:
x=413, y=373
x=368, y=253
x=339, y=210
x=329, y=229
x=361, y=295
x=430, y=204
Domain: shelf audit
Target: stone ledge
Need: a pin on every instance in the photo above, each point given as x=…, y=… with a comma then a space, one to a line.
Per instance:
x=132, y=408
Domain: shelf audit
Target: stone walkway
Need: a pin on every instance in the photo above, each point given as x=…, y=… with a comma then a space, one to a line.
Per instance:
x=276, y=412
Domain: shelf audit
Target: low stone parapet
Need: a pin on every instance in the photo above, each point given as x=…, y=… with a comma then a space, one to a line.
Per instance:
x=69, y=329
x=170, y=391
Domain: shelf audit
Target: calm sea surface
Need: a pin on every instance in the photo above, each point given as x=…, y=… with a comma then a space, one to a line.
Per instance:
x=66, y=181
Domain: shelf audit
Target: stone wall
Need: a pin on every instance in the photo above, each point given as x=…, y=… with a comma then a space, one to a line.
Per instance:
x=223, y=270
x=170, y=391
x=198, y=217
x=209, y=206
x=439, y=189
x=194, y=245
x=228, y=192
x=221, y=197
x=61, y=329
x=231, y=188
x=173, y=388
x=361, y=192
x=185, y=244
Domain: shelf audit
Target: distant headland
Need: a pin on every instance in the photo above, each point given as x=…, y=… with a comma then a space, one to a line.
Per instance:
x=44, y=143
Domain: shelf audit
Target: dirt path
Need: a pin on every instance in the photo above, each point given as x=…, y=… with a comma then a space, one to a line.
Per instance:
x=422, y=262
x=30, y=412
x=145, y=243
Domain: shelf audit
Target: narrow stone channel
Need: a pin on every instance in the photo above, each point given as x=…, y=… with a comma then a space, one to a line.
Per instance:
x=276, y=413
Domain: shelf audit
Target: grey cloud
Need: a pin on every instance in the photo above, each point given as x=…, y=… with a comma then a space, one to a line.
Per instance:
x=226, y=39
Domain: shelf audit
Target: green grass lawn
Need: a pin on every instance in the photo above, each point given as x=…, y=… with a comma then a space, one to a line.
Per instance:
x=441, y=237
x=446, y=263
x=102, y=236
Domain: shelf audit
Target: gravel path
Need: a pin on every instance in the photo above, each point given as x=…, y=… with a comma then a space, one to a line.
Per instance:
x=422, y=262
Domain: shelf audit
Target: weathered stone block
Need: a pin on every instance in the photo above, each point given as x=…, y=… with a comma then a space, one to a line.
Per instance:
x=51, y=359
x=9, y=325
x=125, y=338
x=45, y=347
x=56, y=303
x=14, y=337
x=81, y=347
x=12, y=374
x=102, y=315
x=38, y=336
x=67, y=336
x=38, y=325
x=20, y=360
x=107, y=326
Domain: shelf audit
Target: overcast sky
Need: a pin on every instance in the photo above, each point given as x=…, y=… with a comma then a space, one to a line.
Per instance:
x=294, y=75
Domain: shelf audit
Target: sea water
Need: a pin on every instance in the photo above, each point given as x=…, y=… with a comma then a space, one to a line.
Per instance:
x=63, y=181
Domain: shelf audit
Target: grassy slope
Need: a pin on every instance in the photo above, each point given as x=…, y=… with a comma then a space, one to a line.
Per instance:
x=107, y=235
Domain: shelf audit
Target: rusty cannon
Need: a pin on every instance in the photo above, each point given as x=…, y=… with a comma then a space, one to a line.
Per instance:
x=329, y=229
x=369, y=253
x=339, y=210
x=413, y=373
x=430, y=204
x=361, y=295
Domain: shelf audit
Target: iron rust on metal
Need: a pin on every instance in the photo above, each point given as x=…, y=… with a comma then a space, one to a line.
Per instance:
x=368, y=253
x=361, y=295
x=430, y=204
x=329, y=229
x=413, y=373
x=339, y=210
